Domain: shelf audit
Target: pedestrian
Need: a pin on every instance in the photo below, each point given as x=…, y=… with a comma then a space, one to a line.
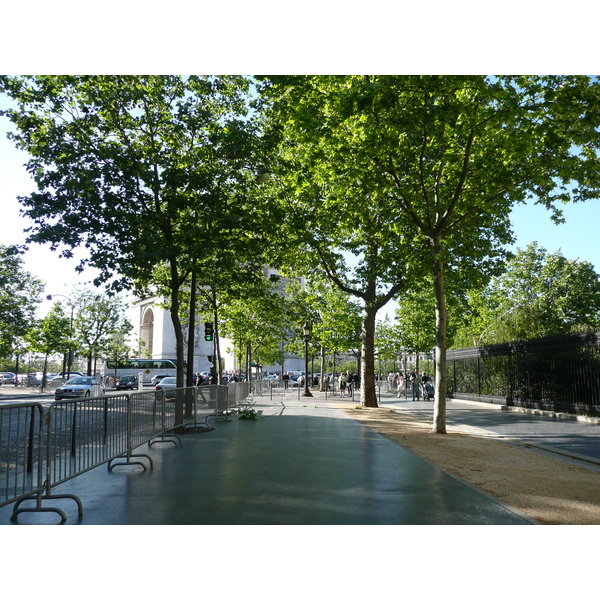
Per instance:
x=350, y=382
x=428, y=391
x=391, y=381
x=400, y=383
x=416, y=384
x=286, y=380
x=342, y=382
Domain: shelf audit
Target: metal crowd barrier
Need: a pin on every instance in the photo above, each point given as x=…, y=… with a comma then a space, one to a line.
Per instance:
x=217, y=401
x=21, y=441
x=40, y=450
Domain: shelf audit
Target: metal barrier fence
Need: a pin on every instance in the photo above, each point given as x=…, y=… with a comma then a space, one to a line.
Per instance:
x=21, y=431
x=41, y=450
x=554, y=373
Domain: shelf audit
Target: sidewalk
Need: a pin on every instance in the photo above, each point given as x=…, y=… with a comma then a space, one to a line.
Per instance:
x=303, y=462
x=565, y=436
x=8, y=393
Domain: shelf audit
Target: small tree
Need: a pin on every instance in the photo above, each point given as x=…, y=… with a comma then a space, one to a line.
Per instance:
x=97, y=321
x=50, y=335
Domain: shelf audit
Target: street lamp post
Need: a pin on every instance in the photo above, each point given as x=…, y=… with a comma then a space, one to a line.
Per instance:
x=307, y=330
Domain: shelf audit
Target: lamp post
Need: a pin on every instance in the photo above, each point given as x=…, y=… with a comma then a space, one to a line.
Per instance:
x=307, y=330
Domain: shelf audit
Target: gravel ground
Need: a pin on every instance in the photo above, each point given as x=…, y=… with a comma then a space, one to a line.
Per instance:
x=550, y=491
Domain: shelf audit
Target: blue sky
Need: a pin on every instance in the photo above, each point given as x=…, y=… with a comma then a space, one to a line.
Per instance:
x=577, y=238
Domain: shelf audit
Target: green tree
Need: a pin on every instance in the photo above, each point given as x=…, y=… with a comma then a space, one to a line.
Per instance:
x=388, y=342
x=141, y=170
x=50, y=335
x=540, y=294
x=331, y=220
x=19, y=297
x=255, y=318
x=98, y=321
x=448, y=156
x=335, y=318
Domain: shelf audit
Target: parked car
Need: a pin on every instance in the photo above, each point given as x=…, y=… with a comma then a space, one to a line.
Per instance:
x=69, y=374
x=168, y=384
x=30, y=379
x=127, y=382
x=158, y=378
x=6, y=378
x=78, y=387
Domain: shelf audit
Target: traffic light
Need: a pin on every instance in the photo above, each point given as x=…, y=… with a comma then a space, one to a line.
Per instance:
x=208, y=331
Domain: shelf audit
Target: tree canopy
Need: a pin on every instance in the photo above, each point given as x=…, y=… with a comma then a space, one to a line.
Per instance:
x=430, y=167
x=539, y=294
x=20, y=294
x=376, y=179
x=142, y=171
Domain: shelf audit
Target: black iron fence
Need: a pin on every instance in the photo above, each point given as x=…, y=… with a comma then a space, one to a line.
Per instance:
x=559, y=374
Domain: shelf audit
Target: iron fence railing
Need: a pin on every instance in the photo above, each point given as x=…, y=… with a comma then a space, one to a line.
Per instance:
x=555, y=374
x=41, y=449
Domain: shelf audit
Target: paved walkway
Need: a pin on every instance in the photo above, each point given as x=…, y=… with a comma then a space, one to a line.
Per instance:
x=564, y=436
x=304, y=462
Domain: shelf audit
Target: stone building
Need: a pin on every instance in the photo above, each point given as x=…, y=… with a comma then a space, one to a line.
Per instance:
x=155, y=330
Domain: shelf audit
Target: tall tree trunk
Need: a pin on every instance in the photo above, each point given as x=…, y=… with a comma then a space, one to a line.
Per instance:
x=322, y=382
x=217, y=338
x=368, y=394
x=441, y=322
x=179, y=349
x=191, y=333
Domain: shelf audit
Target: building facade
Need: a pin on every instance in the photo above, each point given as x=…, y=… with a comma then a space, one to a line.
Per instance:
x=157, y=335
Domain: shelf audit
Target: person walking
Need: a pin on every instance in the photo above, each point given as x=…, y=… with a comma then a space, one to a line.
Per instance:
x=399, y=383
x=427, y=387
x=342, y=382
x=350, y=381
x=416, y=384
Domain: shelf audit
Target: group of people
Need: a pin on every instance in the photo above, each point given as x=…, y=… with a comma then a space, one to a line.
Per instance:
x=348, y=382
x=421, y=384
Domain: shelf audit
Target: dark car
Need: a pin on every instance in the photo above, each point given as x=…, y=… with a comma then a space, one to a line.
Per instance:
x=127, y=382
